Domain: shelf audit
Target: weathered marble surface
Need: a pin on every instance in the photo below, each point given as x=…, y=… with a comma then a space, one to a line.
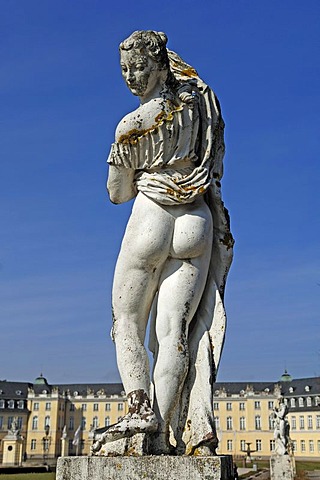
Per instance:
x=282, y=428
x=176, y=251
x=149, y=468
x=281, y=467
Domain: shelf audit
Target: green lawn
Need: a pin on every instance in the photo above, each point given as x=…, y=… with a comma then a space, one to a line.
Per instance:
x=28, y=476
x=303, y=467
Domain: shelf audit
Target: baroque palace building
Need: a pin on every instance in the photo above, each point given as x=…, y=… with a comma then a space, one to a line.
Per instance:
x=59, y=420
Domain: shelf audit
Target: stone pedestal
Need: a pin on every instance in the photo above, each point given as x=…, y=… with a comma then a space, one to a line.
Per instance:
x=281, y=467
x=160, y=467
x=12, y=449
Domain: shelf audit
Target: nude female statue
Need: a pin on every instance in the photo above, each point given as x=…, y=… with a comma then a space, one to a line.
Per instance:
x=168, y=153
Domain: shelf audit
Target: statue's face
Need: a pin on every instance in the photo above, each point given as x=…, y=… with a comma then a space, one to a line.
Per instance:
x=140, y=72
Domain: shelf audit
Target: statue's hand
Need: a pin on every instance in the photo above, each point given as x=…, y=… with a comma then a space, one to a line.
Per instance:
x=187, y=94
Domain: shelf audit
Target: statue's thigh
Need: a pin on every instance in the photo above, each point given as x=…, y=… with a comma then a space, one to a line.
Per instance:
x=144, y=250
x=181, y=288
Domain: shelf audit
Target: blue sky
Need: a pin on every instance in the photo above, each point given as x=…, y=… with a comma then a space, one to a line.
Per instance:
x=61, y=98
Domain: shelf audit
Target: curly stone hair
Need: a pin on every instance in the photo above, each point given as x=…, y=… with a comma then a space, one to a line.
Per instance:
x=151, y=44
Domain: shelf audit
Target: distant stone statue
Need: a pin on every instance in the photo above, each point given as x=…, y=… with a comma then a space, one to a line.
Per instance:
x=176, y=251
x=281, y=428
x=14, y=429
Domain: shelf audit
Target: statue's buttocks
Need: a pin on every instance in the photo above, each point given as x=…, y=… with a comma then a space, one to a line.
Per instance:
x=145, y=118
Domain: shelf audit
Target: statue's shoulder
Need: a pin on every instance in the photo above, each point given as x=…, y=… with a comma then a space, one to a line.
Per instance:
x=145, y=117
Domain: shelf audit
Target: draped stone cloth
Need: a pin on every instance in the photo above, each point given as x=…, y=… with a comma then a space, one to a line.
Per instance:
x=178, y=160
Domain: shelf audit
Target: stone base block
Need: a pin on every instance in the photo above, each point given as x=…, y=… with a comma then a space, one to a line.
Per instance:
x=160, y=467
x=281, y=467
x=135, y=446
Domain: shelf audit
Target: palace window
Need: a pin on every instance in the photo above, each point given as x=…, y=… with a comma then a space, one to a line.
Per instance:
x=216, y=406
x=270, y=405
x=258, y=445
x=257, y=421
x=229, y=445
x=33, y=444
x=303, y=445
x=242, y=423
x=83, y=423
x=107, y=421
x=95, y=407
x=257, y=405
x=36, y=406
x=271, y=422
x=48, y=405
x=293, y=423
x=120, y=407
x=318, y=443
x=1, y=423
x=84, y=407
x=311, y=446
x=229, y=423
x=318, y=421
x=217, y=423
x=310, y=423
x=108, y=407
x=294, y=445
x=71, y=423
x=71, y=407
x=243, y=445
x=95, y=422
x=35, y=423
x=10, y=420
x=272, y=445
x=229, y=406
x=301, y=422
x=47, y=421
x=241, y=406
x=19, y=423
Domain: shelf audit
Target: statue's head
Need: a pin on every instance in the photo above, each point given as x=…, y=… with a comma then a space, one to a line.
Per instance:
x=144, y=61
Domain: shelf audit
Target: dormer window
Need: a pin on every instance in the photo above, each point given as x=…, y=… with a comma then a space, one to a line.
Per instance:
x=2, y=405
x=291, y=389
x=300, y=402
x=11, y=404
x=75, y=393
x=292, y=402
x=309, y=402
x=307, y=388
x=20, y=404
x=44, y=391
x=18, y=392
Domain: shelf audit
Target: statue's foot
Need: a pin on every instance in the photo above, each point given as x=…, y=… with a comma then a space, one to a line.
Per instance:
x=128, y=426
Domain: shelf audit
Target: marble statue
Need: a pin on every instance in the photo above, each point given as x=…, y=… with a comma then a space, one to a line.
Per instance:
x=281, y=428
x=175, y=254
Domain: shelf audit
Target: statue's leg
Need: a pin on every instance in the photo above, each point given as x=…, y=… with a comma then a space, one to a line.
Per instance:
x=181, y=286
x=144, y=250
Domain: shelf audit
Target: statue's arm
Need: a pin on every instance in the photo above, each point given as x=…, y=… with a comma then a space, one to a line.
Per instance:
x=120, y=184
